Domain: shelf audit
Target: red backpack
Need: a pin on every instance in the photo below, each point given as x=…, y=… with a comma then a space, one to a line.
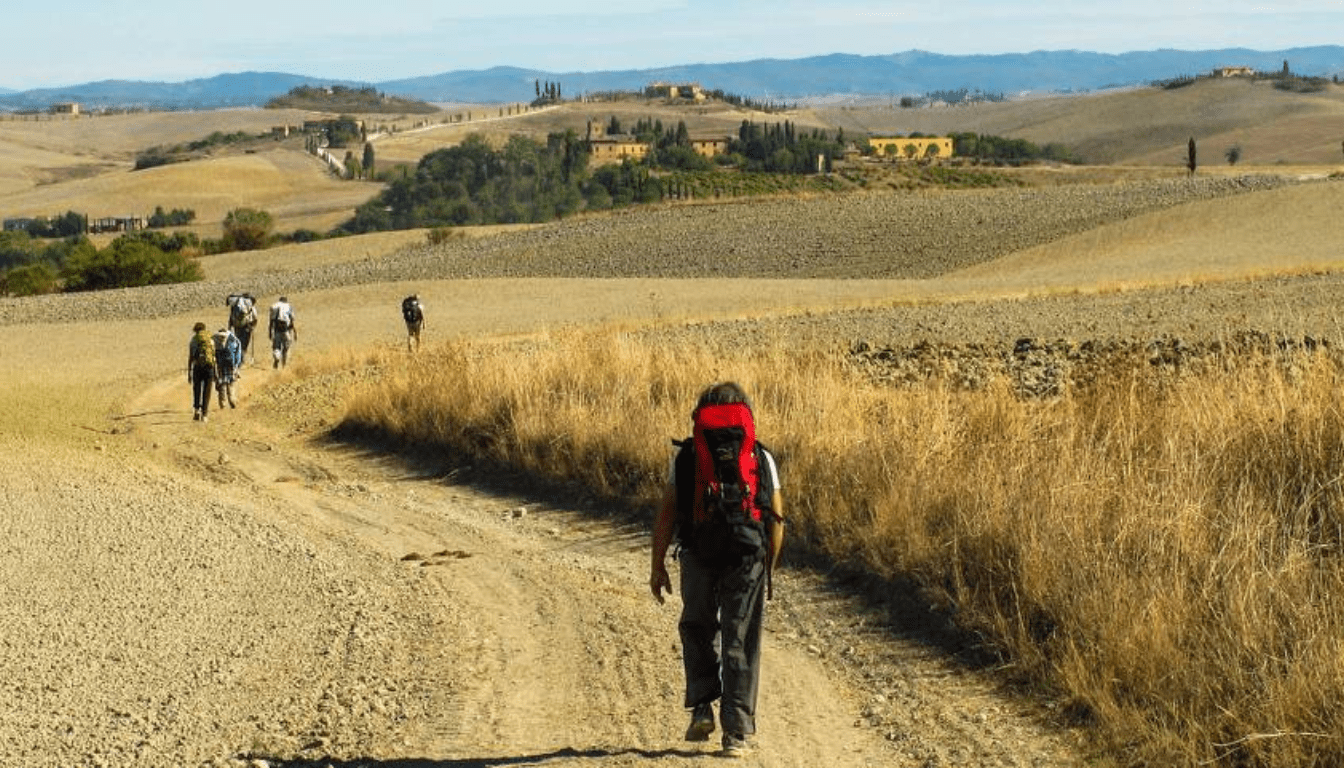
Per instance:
x=718, y=485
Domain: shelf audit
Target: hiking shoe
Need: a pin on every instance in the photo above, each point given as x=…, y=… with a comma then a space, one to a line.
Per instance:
x=702, y=722
x=196, y=415
x=735, y=745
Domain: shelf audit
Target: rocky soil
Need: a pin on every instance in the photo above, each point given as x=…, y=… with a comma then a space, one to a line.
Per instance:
x=916, y=235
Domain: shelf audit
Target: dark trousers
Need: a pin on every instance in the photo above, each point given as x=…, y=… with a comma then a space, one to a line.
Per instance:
x=723, y=603
x=201, y=379
x=244, y=334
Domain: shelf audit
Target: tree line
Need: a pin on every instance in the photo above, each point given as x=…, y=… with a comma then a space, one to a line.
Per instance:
x=73, y=223
x=984, y=147
x=528, y=181
x=32, y=265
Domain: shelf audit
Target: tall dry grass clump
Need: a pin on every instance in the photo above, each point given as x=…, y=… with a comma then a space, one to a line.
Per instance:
x=1165, y=553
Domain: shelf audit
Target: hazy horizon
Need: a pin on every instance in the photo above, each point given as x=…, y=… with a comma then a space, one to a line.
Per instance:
x=155, y=41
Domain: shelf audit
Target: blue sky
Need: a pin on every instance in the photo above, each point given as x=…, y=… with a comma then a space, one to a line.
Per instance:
x=82, y=40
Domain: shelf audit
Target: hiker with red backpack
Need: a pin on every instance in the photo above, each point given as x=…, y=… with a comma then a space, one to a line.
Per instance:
x=724, y=508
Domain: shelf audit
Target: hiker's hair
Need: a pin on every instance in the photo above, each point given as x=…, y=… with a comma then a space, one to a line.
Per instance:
x=198, y=327
x=723, y=393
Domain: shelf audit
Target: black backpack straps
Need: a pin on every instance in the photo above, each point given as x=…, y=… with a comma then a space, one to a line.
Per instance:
x=683, y=476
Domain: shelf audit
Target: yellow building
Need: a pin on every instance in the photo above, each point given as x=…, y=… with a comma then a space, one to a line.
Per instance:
x=614, y=150
x=898, y=147
x=710, y=147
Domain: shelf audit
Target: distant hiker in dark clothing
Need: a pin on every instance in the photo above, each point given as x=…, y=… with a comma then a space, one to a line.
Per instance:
x=281, y=331
x=228, y=361
x=413, y=312
x=200, y=371
x=724, y=507
x=243, y=319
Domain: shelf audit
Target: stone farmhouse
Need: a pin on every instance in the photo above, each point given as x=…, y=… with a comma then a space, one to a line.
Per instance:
x=897, y=146
x=96, y=226
x=613, y=149
x=691, y=91
x=65, y=108
x=711, y=146
x=118, y=224
x=1233, y=72
x=604, y=148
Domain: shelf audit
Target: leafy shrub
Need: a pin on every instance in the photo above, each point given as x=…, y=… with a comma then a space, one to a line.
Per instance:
x=30, y=279
x=127, y=263
x=247, y=229
x=441, y=235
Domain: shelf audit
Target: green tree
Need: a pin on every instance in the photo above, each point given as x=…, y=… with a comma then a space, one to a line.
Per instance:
x=247, y=229
x=931, y=151
x=911, y=150
x=1233, y=154
x=353, y=168
x=1190, y=155
x=31, y=279
x=127, y=263
x=344, y=131
x=368, y=159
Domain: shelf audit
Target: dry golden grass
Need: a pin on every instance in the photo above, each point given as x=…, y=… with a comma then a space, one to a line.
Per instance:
x=293, y=186
x=1164, y=554
x=122, y=137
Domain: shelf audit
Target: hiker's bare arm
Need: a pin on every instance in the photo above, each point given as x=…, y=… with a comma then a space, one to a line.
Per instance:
x=776, y=530
x=663, y=527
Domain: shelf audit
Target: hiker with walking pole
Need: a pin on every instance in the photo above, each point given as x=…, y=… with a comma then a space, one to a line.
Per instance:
x=723, y=506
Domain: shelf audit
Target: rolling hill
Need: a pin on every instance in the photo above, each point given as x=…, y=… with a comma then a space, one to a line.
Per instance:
x=837, y=75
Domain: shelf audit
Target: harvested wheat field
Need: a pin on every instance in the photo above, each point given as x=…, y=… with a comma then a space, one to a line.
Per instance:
x=250, y=591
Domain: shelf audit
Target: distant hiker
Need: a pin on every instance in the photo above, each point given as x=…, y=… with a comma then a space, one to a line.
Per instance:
x=723, y=505
x=200, y=371
x=413, y=312
x=228, y=361
x=243, y=318
x=281, y=331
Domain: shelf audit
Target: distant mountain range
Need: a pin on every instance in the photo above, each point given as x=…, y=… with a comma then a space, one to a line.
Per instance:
x=912, y=73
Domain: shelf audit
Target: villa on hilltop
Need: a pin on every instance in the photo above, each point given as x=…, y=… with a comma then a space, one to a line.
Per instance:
x=605, y=148
x=911, y=147
x=691, y=91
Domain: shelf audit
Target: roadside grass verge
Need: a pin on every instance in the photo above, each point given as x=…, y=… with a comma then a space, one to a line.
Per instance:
x=1165, y=555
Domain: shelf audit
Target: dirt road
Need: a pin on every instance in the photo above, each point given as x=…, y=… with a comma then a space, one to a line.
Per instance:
x=239, y=593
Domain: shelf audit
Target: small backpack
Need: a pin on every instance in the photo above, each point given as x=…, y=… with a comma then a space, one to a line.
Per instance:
x=224, y=349
x=719, y=494
x=203, y=351
x=410, y=309
x=284, y=317
x=241, y=312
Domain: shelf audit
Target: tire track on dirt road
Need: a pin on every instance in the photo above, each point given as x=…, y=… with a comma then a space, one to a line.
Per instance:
x=488, y=630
